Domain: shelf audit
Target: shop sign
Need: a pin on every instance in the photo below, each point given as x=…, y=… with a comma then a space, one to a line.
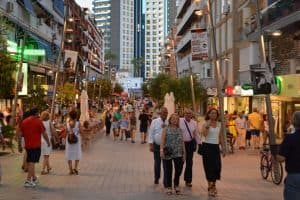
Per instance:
x=247, y=86
x=199, y=44
x=229, y=91
x=237, y=90
x=211, y=91
x=249, y=92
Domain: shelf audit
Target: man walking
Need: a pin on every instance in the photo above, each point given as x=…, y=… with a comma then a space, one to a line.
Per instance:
x=190, y=132
x=255, y=122
x=155, y=131
x=32, y=129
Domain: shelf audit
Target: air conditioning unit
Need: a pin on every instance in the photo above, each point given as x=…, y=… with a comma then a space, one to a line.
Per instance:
x=9, y=7
x=226, y=9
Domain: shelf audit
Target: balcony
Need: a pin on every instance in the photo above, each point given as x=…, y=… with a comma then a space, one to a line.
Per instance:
x=182, y=8
x=186, y=38
x=189, y=17
x=278, y=16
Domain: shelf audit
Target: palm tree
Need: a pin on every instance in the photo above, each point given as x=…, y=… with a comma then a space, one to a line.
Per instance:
x=109, y=57
x=137, y=65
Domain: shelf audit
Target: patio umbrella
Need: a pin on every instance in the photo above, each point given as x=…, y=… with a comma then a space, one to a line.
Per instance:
x=84, y=107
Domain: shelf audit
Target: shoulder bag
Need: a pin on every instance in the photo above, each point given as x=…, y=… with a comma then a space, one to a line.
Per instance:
x=193, y=141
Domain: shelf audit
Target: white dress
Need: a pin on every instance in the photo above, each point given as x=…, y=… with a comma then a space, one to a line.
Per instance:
x=45, y=150
x=73, y=151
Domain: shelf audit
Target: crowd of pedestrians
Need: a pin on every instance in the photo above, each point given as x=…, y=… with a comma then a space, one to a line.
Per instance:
x=173, y=141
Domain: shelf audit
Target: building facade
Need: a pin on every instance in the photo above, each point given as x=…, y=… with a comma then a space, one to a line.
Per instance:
x=139, y=37
x=116, y=18
x=39, y=25
x=158, y=14
x=102, y=12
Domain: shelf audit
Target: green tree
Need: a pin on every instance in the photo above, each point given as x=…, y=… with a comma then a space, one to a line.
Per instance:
x=159, y=86
x=66, y=94
x=36, y=98
x=137, y=65
x=145, y=88
x=109, y=55
x=181, y=88
x=118, y=88
x=7, y=64
x=106, y=88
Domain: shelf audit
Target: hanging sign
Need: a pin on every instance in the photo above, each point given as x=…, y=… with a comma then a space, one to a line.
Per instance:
x=199, y=44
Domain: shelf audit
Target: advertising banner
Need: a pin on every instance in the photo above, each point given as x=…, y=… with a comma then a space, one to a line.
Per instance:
x=199, y=44
x=70, y=60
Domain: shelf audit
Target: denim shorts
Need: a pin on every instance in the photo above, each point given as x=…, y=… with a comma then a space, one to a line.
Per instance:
x=255, y=132
x=33, y=155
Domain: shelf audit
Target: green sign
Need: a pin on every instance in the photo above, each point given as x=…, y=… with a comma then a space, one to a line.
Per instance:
x=247, y=86
x=13, y=48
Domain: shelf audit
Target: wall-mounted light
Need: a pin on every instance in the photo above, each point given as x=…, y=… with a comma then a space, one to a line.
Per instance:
x=276, y=33
x=199, y=12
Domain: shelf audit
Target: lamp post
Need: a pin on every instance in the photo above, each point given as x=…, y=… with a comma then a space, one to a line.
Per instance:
x=218, y=72
x=192, y=86
x=58, y=60
x=264, y=61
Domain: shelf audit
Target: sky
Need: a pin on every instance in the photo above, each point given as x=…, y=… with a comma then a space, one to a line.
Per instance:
x=85, y=3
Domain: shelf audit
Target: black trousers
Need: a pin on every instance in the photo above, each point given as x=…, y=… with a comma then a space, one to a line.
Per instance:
x=178, y=165
x=108, y=126
x=157, y=162
x=188, y=172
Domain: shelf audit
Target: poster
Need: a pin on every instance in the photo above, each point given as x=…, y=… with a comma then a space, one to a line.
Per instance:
x=199, y=44
x=70, y=61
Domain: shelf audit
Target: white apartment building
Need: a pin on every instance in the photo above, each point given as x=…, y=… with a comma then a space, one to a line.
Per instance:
x=116, y=19
x=155, y=35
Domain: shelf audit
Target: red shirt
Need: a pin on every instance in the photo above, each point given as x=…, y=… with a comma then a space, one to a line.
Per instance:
x=32, y=129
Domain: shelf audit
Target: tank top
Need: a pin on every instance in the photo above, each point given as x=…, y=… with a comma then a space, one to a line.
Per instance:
x=213, y=134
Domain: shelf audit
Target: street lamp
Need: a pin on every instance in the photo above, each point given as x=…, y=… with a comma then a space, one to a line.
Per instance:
x=217, y=66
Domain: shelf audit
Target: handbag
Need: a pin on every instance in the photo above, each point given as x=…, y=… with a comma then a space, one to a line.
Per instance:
x=193, y=141
x=72, y=138
x=167, y=151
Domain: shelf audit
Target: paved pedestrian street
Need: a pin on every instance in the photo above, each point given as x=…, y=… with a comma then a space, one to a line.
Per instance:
x=112, y=170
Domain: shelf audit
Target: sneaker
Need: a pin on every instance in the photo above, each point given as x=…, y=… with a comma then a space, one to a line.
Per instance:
x=35, y=180
x=29, y=184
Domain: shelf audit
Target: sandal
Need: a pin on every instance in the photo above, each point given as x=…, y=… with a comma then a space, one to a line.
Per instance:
x=49, y=169
x=44, y=173
x=177, y=191
x=169, y=191
x=75, y=171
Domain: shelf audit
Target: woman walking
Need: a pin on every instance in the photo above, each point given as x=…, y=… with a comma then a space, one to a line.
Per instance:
x=144, y=122
x=211, y=158
x=73, y=144
x=172, y=149
x=45, y=149
x=132, y=125
x=108, y=118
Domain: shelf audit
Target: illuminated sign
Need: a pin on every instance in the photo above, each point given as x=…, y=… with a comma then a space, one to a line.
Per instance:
x=13, y=48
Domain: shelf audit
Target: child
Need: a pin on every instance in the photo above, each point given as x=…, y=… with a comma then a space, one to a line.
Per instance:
x=86, y=131
x=124, y=123
x=115, y=127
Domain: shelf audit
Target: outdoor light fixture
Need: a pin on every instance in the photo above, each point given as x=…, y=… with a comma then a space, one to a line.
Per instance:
x=69, y=40
x=277, y=33
x=71, y=19
x=199, y=12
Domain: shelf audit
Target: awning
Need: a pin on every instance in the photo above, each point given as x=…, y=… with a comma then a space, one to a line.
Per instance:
x=29, y=7
x=43, y=44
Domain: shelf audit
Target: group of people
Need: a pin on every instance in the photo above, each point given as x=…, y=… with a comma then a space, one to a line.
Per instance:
x=247, y=130
x=175, y=140
x=36, y=134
